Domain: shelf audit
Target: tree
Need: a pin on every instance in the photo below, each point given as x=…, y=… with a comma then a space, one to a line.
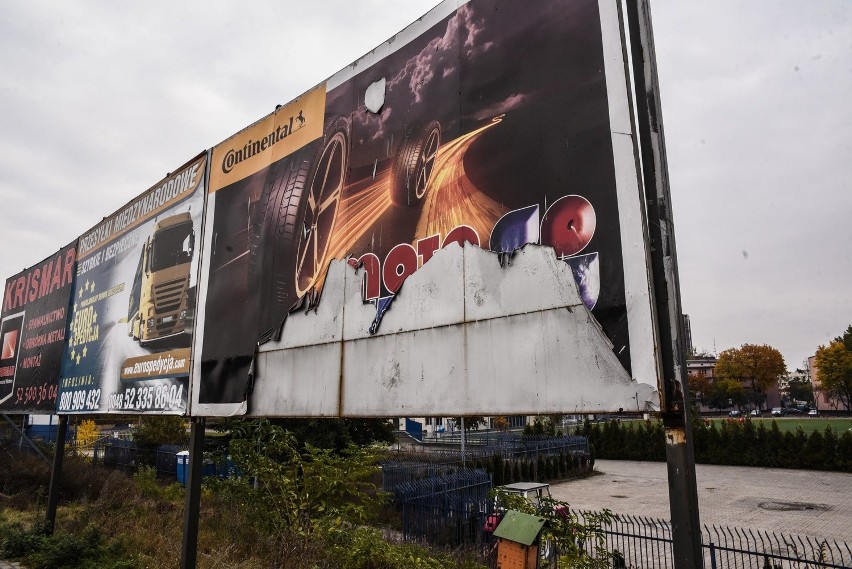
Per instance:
x=154, y=430
x=471, y=422
x=834, y=370
x=756, y=367
x=846, y=338
x=800, y=390
x=301, y=488
x=326, y=433
x=699, y=388
x=87, y=432
x=725, y=392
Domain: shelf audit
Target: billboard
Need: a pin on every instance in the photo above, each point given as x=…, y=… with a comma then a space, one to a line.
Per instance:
x=129, y=338
x=495, y=123
x=35, y=311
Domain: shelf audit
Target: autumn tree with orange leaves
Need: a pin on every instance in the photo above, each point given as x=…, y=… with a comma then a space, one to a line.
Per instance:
x=834, y=369
x=755, y=367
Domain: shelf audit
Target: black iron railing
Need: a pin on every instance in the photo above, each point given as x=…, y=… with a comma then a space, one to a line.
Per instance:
x=642, y=542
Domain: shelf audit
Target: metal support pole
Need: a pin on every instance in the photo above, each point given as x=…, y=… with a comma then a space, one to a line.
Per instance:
x=56, y=474
x=189, y=549
x=674, y=394
x=462, y=443
x=24, y=437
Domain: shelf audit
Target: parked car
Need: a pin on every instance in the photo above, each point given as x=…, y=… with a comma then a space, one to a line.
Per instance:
x=777, y=411
x=755, y=413
x=813, y=413
x=734, y=413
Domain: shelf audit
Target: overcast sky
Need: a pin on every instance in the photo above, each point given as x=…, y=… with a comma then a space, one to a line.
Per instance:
x=101, y=99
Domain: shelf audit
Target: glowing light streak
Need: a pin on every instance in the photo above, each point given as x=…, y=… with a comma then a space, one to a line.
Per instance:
x=453, y=199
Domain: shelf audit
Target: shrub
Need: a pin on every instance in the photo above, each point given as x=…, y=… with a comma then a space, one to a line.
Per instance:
x=155, y=430
x=18, y=542
x=87, y=432
x=566, y=530
x=62, y=550
x=366, y=548
x=731, y=443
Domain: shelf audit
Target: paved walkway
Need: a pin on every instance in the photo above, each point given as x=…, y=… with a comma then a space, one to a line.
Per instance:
x=9, y=564
x=803, y=502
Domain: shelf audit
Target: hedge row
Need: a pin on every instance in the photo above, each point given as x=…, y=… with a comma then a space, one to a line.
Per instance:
x=732, y=443
x=545, y=468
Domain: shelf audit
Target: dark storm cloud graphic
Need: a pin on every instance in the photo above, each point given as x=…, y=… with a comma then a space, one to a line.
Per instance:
x=436, y=61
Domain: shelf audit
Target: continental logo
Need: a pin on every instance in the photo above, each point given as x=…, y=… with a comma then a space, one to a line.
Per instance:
x=252, y=147
x=270, y=139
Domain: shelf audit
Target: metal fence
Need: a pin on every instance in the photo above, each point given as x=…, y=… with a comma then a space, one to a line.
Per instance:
x=732, y=547
x=121, y=454
x=126, y=455
x=395, y=472
x=445, y=510
x=166, y=459
x=509, y=445
x=642, y=542
x=448, y=505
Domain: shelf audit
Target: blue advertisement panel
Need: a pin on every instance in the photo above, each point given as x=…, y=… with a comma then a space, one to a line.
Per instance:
x=129, y=336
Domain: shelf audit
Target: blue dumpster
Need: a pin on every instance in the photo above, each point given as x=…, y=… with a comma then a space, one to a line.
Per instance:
x=182, y=466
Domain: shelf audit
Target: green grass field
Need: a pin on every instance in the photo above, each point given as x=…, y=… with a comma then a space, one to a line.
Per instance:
x=808, y=424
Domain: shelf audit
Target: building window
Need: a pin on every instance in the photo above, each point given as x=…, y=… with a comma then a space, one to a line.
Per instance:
x=517, y=421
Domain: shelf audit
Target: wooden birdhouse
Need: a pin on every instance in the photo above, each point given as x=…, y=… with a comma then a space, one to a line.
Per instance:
x=518, y=538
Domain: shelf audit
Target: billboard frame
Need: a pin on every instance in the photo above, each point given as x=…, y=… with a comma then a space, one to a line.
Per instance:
x=673, y=390
x=631, y=220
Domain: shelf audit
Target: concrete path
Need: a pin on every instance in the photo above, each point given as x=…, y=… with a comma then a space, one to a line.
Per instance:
x=9, y=564
x=805, y=502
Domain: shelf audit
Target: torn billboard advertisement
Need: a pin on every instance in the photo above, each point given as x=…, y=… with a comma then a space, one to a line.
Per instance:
x=35, y=311
x=129, y=338
x=492, y=122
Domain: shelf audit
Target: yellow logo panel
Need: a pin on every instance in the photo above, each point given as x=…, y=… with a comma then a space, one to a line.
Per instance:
x=273, y=137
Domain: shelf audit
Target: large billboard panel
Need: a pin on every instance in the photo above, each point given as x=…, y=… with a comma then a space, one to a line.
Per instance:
x=34, y=316
x=491, y=122
x=129, y=339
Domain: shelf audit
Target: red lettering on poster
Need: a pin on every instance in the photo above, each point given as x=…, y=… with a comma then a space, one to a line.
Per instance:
x=427, y=246
x=400, y=262
x=462, y=234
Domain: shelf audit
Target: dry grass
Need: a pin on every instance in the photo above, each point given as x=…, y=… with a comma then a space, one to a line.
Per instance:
x=140, y=520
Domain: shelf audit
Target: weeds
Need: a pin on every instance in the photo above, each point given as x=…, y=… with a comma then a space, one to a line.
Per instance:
x=62, y=550
x=296, y=506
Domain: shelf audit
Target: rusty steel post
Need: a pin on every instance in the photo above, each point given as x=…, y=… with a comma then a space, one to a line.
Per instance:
x=674, y=393
x=192, y=504
x=56, y=474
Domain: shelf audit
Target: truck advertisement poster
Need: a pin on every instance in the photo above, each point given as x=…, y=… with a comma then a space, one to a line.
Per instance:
x=129, y=337
x=490, y=124
x=35, y=311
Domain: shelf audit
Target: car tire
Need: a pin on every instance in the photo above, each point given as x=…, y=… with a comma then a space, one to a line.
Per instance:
x=295, y=221
x=414, y=163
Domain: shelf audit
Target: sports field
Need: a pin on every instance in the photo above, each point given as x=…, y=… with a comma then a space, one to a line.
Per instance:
x=808, y=424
